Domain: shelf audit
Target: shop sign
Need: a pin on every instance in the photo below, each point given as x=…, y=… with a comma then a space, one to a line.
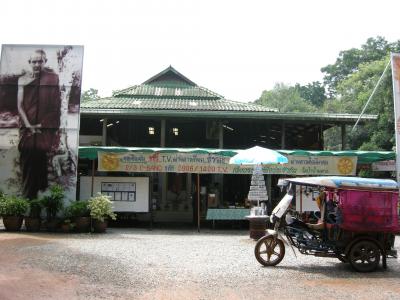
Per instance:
x=218, y=164
x=386, y=165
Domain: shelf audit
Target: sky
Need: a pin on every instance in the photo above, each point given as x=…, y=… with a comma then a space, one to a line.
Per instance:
x=236, y=48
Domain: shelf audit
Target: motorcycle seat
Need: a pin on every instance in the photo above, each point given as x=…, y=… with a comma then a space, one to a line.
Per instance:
x=318, y=226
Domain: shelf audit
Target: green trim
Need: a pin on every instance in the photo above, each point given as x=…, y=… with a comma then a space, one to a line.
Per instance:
x=363, y=157
x=90, y=152
x=170, y=69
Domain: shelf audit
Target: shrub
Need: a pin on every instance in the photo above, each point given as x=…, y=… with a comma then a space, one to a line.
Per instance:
x=13, y=206
x=101, y=207
x=35, y=208
x=53, y=203
x=77, y=209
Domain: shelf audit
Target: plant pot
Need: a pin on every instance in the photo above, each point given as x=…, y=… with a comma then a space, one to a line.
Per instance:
x=52, y=225
x=65, y=228
x=82, y=224
x=13, y=223
x=32, y=224
x=99, y=226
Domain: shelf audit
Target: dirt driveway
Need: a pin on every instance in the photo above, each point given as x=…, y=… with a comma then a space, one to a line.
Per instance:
x=162, y=264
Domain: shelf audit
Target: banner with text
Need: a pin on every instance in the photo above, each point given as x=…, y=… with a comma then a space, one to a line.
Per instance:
x=218, y=164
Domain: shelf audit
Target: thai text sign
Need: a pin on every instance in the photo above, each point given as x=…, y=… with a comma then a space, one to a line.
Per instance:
x=218, y=164
x=385, y=165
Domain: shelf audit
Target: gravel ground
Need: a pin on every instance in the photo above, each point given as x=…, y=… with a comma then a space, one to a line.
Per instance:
x=177, y=264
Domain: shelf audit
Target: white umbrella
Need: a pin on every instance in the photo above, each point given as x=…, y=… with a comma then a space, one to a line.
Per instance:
x=258, y=156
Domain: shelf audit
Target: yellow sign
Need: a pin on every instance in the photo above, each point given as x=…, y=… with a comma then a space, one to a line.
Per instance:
x=110, y=162
x=345, y=166
x=218, y=164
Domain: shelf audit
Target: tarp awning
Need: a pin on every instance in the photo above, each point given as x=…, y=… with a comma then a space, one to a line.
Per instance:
x=363, y=157
x=90, y=152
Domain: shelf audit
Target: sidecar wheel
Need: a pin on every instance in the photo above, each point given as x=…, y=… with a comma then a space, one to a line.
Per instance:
x=364, y=256
x=269, y=251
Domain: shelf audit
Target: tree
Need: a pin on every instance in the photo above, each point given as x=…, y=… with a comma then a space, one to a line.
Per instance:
x=349, y=61
x=285, y=99
x=354, y=92
x=312, y=92
x=90, y=94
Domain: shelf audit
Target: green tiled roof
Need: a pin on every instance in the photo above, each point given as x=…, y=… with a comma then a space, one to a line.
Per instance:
x=150, y=91
x=171, y=94
x=171, y=103
x=169, y=90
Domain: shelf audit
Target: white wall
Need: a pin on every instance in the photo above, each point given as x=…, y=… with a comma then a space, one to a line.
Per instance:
x=141, y=204
x=304, y=201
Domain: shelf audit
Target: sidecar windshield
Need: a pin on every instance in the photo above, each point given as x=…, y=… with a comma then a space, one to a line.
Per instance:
x=282, y=206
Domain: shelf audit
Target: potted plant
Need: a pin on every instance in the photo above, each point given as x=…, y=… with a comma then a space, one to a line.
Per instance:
x=33, y=220
x=79, y=212
x=53, y=203
x=67, y=225
x=12, y=209
x=100, y=208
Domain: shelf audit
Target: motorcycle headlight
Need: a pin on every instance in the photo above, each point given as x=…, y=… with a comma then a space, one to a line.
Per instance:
x=271, y=218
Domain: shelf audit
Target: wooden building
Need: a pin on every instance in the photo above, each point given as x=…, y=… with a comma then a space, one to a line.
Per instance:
x=171, y=111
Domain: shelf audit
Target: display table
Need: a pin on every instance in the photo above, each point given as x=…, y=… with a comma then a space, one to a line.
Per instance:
x=258, y=226
x=227, y=214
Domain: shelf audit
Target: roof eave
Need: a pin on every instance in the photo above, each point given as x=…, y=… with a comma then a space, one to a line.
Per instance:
x=336, y=118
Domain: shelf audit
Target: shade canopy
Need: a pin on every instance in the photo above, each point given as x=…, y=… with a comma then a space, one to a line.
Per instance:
x=258, y=155
x=363, y=157
x=344, y=182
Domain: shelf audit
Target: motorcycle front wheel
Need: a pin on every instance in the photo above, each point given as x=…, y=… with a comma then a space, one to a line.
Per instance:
x=269, y=251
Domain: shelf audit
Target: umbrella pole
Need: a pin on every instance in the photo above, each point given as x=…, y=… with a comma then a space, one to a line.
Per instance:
x=301, y=200
x=198, y=202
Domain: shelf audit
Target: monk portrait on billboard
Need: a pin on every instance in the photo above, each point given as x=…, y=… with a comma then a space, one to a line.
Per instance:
x=40, y=88
x=39, y=109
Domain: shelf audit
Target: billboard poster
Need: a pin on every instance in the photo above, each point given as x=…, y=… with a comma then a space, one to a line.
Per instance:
x=40, y=87
x=396, y=100
x=219, y=164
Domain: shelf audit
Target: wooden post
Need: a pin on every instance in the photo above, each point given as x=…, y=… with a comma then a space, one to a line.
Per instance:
x=104, y=133
x=343, y=135
x=301, y=199
x=198, y=202
x=91, y=190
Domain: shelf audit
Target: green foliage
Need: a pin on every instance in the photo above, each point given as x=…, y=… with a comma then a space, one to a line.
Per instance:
x=90, y=94
x=35, y=208
x=53, y=203
x=354, y=92
x=350, y=60
x=101, y=207
x=312, y=92
x=77, y=209
x=13, y=206
x=285, y=99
